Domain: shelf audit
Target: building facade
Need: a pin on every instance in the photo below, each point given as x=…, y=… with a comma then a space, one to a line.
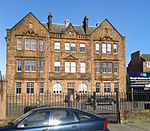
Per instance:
x=61, y=58
x=139, y=62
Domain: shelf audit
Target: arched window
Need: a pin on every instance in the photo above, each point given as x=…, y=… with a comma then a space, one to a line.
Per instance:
x=82, y=88
x=57, y=88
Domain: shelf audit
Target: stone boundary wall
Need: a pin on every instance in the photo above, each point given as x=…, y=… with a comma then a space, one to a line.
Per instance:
x=2, y=100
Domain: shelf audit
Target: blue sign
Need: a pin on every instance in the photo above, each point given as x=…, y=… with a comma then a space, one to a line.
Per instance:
x=139, y=80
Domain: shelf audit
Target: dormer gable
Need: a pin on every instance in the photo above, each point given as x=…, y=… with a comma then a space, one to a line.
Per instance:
x=70, y=31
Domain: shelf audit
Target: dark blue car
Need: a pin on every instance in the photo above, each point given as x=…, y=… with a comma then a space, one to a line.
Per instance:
x=57, y=119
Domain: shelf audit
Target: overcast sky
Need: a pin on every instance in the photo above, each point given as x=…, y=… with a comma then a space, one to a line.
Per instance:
x=130, y=17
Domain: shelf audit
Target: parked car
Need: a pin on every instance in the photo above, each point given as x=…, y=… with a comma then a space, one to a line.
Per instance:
x=101, y=100
x=57, y=119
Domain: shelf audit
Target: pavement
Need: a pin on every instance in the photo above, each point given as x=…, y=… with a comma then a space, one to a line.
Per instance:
x=129, y=127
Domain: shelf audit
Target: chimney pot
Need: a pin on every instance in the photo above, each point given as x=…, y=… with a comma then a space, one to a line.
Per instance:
x=98, y=24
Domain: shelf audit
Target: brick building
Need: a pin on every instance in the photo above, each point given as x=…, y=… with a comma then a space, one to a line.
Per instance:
x=59, y=58
x=139, y=62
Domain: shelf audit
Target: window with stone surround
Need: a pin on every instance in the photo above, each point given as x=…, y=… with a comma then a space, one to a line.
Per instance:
x=103, y=48
x=115, y=67
x=106, y=48
x=73, y=47
x=18, y=87
x=109, y=67
x=83, y=88
x=70, y=47
x=70, y=66
x=115, y=48
x=67, y=47
x=57, y=66
x=107, y=87
x=27, y=65
x=67, y=66
x=41, y=65
x=30, y=65
x=41, y=87
x=30, y=87
x=27, y=44
x=57, y=88
x=30, y=25
x=82, y=67
x=104, y=67
x=97, y=48
x=19, y=65
x=106, y=31
x=82, y=48
x=97, y=67
x=33, y=44
x=109, y=48
x=97, y=87
x=33, y=66
x=57, y=46
x=41, y=45
x=19, y=44
x=30, y=44
x=73, y=67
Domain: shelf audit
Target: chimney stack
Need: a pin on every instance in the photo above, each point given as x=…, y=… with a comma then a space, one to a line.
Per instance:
x=50, y=22
x=67, y=22
x=85, y=24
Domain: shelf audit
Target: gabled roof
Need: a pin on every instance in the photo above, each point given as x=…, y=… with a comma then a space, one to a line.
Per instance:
x=30, y=13
x=110, y=25
x=146, y=57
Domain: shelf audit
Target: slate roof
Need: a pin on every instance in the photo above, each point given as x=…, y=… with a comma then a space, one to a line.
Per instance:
x=60, y=28
x=146, y=57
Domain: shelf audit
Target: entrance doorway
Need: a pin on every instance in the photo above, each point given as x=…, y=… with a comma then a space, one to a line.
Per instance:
x=71, y=94
x=70, y=91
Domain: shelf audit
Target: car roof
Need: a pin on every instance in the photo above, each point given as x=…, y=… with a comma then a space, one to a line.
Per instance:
x=52, y=108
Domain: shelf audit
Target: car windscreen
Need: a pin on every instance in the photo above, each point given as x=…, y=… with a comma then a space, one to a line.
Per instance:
x=20, y=118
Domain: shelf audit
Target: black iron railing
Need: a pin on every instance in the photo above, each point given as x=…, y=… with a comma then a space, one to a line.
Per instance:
x=108, y=105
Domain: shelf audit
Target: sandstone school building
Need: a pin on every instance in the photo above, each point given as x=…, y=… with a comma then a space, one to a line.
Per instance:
x=61, y=58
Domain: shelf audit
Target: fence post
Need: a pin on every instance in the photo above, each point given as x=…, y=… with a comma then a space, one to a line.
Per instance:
x=117, y=107
x=68, y=99
x=94, y=101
